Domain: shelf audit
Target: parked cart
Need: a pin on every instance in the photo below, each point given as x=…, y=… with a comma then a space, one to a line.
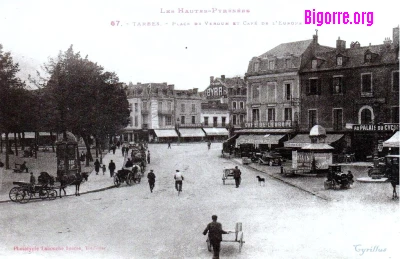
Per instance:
x=24, y=192
x=238, y=237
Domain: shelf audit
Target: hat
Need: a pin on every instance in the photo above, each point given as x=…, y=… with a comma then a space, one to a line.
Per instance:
x=177, y=170
x=214, y=217
x=151, y=170
x=31, y=173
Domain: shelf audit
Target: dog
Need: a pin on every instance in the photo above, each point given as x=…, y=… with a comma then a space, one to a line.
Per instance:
x=261, y=180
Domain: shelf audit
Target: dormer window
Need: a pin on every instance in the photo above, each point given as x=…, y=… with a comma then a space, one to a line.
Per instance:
x=314, y=63
x=339, y=61
x=271, y=64
x=288, y=63
x=256, y=66
x=368, y=57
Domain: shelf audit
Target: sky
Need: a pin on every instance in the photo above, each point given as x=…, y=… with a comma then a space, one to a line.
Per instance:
x=176, y=50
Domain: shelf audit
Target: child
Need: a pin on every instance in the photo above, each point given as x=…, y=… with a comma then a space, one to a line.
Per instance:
x=104, y=169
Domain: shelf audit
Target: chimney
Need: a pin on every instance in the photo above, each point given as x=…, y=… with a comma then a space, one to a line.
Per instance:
x=387, y=41
x=340, y=45
x=195, y=90
x=396, y=36
x=223, y=78
x=171, y=87
x=211, y=79
x=315, y=38
x=164, y=83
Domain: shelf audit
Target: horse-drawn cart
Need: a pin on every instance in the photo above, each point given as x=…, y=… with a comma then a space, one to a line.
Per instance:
x=227, y=174
x=129, y=175
x=238, y=237
x=24, y=192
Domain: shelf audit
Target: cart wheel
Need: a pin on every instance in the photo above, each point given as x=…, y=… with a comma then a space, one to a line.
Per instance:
x=14, y=194
x=24, y=196
x=240, y=241
x=209, y=247
x=129, y=179
x=117, y=182
x=43, y=194
x=52, y=194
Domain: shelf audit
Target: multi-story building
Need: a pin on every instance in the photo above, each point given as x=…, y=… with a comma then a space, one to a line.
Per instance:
x=187, y=114
x=349, y=91
x=273, y=88
x=215, y=119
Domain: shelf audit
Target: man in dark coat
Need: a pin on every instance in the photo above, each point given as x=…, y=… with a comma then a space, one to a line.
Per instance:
x=215, y=232
x=152, y=180
x=237, y=176
x=111, y=167
x=148, y=156
x=97, y=166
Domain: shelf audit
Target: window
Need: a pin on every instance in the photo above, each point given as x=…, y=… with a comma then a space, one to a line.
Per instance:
x=144, y=106
x=223, y=121
x=366, y=116
x=131, y=121
x=395, y=81
x=337, y=119
x=395, y=114
x=271, y=93
x=288, y=114
x=288, y=92
x=271, y=65
x=241, y=105
x=136, y=121
x=136, y=107
x=337, y=85
x=215, y=121
x=160, y=106
x=314, y=63
x=314, y=87
x=366, y=84
x=256, y=66
x=182, y=107
x=256, y=115
x=368, y=57
x=312, y=118
x=220, y=90
x=234, y=105
x=339, y=61
x=241, y=118
x=145, y=119
x=182, y=119
x=168, y=120
x=193, y=119
x=288, y=63
x=256, y=93
x=169, y=106
x=270, y=114
x=206, y=121
x=193, y=107
x=234, y=122
x=208, y=92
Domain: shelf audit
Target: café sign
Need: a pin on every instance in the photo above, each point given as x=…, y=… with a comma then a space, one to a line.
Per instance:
x=374, y=127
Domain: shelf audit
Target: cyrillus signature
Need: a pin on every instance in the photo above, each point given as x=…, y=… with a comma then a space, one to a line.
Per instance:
x=372, y=249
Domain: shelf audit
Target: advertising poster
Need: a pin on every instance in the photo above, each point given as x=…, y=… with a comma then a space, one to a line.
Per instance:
x=280, y=68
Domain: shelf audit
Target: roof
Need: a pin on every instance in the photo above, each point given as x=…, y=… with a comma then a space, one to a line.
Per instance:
x=301, y=140
x=295, y=48
x=317, y=130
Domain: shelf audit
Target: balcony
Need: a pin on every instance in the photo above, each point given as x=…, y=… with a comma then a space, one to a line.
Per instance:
x=238, y=111
x=216, y=125
x=190, y=125
x=271, y=124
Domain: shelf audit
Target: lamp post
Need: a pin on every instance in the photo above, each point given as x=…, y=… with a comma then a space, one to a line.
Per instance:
x=375, y=153
x=177, y=128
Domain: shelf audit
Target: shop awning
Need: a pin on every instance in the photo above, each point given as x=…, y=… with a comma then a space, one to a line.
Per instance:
x=216, y=131
x=273, y=139
x=166, y=133
x=258, y=139
x=394, y=141
x=190, y=133
x=317, y=146
x=301, y=140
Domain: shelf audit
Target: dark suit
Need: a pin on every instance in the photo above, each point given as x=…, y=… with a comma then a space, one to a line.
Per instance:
x=152, y=179
x=215, y=232
x=237, y=175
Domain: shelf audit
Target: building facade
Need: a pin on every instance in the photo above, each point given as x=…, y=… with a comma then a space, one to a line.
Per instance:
x=351, y=90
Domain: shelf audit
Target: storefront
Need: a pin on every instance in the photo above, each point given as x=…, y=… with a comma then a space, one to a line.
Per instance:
x=191, y=134
x=165, y=135
x=216, y=134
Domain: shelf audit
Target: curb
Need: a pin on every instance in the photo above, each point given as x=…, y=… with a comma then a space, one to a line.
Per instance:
x=87, y=192
x=291, y=184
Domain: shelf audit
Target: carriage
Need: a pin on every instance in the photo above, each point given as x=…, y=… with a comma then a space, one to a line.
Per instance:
x=381, y=170
x=24, y=191
x=271, y=159
x=338, y=179
x=238, y=237
x=227, y=174
x=129, y=175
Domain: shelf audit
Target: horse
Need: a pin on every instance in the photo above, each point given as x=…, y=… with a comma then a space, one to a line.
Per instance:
x=393, y=178
x=73, y=179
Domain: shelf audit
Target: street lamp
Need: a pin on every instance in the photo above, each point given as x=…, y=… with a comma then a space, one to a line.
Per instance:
x=177, y=128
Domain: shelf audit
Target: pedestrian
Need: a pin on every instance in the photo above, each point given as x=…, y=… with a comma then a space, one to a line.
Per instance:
x=24, y=167
x=237, y=176
x=178, y=180
x=123, y=150
x=209, y=144
x=82, y=158
x=97, y=166
x=118, y=144
x=129, y=163
x=152, y=180
x=113, y=149
x=104, y=169
x=215, y=232
x=169, y=144
x=148, y=156
x=111, y=167
x=32, y=180
x=1, y=168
